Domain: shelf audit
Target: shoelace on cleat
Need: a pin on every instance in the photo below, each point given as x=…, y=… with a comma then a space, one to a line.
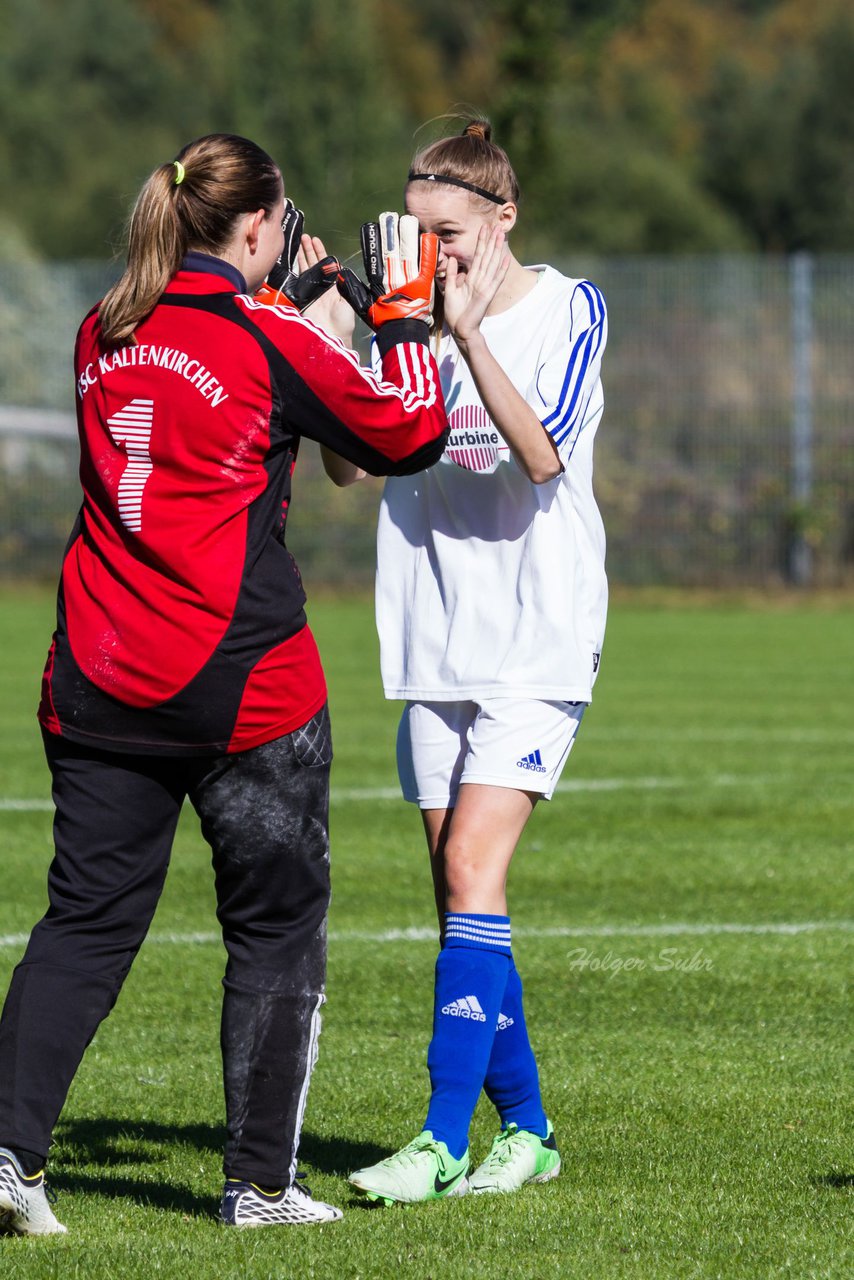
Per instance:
x=418, y=1147
x=506, y=1145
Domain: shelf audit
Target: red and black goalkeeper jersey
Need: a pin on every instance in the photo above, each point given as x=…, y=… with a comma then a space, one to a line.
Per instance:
x=180, y=622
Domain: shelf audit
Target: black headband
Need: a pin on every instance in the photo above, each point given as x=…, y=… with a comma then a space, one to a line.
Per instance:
x=456, y=182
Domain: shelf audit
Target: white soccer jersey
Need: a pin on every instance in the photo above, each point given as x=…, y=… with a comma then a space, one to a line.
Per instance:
x=487, y=584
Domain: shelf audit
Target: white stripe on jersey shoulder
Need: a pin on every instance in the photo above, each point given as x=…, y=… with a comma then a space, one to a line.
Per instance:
x=419, y=388
x=296, y=317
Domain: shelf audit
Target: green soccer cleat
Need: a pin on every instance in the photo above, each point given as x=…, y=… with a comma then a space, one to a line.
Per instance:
x=515, y=1158
x=423, y=1170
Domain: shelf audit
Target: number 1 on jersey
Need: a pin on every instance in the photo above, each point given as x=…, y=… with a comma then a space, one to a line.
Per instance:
x=131, y=427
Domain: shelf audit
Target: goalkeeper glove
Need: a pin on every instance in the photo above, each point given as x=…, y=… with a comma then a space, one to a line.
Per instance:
x=284, y=286
x=400, y=265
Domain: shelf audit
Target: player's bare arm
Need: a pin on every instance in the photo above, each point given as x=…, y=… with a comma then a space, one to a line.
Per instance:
x=330, y=311
x=336, y=317
x=340, y=471
x=468, y=296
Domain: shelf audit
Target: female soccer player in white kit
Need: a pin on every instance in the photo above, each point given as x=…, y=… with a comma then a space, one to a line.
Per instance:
x=491, y=604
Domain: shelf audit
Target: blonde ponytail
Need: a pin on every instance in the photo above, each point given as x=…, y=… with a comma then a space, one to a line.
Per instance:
x=192, y=202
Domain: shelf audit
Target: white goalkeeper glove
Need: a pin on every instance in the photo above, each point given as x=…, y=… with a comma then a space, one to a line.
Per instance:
x=400, y=264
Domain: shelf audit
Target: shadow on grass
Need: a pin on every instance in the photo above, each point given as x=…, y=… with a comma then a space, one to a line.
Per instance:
x=339, y=1156
x=156, y=1195
x=838, y=1181
x=112, y=1143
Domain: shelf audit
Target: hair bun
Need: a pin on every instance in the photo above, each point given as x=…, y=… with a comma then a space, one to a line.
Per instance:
x=478, y=129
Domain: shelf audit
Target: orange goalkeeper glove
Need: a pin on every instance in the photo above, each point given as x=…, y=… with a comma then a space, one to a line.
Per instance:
x=401, y=267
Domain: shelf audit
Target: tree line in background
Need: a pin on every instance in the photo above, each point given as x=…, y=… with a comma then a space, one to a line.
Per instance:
x=636, y=126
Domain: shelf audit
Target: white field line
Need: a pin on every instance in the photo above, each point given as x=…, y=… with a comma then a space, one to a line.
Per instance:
x=731, y=733
x=696, y=929
x=10, y=805
x=340, y=795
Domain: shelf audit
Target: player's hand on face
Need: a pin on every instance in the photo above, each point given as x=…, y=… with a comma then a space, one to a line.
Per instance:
x=469, y=293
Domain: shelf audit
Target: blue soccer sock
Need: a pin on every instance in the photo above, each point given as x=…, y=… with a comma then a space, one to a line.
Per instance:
x=471, y=976
x=512, y=1082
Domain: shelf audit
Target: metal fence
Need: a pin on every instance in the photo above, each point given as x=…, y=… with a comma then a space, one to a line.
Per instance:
x=725, y=456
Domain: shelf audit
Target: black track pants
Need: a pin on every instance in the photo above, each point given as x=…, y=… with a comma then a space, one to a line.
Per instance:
x=264, y=813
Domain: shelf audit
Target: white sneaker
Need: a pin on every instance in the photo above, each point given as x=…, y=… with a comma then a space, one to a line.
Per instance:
x=245, y=1205
x=24, y=1207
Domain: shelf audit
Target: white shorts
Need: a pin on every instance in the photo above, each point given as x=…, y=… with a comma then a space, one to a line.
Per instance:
x=521, y=743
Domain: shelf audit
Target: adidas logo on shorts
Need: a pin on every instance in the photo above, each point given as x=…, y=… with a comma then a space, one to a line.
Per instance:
x=533, y=761
x=504, y=1022
x=465, y=1007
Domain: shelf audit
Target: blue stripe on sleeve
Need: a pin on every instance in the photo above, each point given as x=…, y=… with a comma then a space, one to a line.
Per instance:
x=579, y=419
x=561, y=420
x=574, y=414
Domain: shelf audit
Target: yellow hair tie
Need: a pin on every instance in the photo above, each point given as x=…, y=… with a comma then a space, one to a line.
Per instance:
x=180, y=172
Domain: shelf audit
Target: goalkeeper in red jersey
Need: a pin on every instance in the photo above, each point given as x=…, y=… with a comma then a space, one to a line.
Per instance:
x=182, y=666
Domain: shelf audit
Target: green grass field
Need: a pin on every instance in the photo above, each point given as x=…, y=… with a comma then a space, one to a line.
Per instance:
x=684, y=920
